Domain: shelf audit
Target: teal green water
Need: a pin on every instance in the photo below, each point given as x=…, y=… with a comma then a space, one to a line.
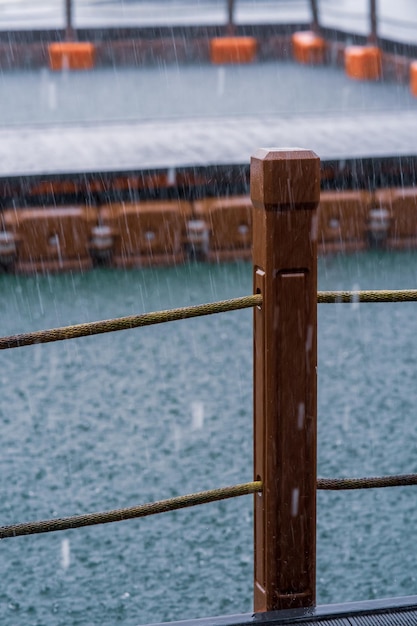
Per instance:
x=125, y=418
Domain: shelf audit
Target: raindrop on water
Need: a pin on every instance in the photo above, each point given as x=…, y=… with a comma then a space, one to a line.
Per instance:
x=65, y=554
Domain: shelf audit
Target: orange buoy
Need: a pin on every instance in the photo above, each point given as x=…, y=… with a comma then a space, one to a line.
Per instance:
x=226, y=50
x=71, y=55
x=308, y=47
x=363, y=62
x=413, y=78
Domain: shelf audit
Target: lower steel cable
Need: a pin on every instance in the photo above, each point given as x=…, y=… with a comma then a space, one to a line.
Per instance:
x=194, y=499
x=118, y=515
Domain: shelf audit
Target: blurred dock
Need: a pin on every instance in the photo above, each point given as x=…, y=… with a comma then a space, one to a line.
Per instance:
x=103, y=124
x=153, y=95
x=158, y=119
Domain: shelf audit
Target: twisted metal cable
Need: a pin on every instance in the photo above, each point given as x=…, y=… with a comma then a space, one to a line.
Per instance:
x=126, y=323
x=386, y=295
x=374, y=482
x=159, y=317
x=194, y=499
x=118, y=515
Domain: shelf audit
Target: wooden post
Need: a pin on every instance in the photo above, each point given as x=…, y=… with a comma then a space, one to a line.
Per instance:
x=230, y=17
x=373, y=35
x=285, y=191
x=315, y=25
x=69, y=31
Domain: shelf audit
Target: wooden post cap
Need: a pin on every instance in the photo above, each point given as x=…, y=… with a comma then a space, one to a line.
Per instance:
x=285, y=179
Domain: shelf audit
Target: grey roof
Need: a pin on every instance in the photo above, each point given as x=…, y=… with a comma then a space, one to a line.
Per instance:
x=144, y=118
x=120, y=146
x=397, y=20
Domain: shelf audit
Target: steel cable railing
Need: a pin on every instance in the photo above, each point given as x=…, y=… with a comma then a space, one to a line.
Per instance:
x=118, y=515
x=124, y=323
x=158, y=317
x=370, y=482
x=187, y=501
x=370, y=296
x=285, y=383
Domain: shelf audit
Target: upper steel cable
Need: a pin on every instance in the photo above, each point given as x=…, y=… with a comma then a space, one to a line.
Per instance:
x=126, y=323
x=159, y=317
x=384, y=295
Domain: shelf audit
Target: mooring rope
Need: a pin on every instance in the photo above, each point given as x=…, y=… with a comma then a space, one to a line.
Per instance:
x=400, y=295
x=118, y=515
x=126, y=323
